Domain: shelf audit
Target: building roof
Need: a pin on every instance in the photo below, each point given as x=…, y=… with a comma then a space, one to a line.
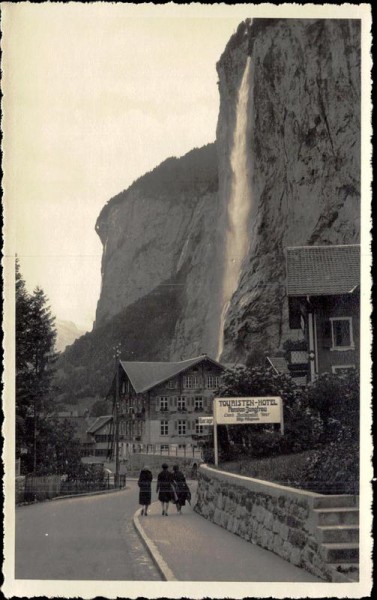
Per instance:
x=323, y=270
x=279, y=364
x=146, y=375
x=98, y=423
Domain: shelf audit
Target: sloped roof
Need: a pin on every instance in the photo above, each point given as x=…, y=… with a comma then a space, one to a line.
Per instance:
x=146, y=375
x=279, y=364
x=98, y=423
x=322, y=270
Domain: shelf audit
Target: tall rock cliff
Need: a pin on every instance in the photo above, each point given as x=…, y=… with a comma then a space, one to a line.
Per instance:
x=166, y=250
x=160, y=234
x=304, y=149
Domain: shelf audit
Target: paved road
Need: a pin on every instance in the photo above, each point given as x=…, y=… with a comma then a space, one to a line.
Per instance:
x=197, y=550
x=91, y=538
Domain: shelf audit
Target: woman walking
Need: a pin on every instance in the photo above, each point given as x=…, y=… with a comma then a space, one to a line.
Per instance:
x=145, y=485
x=182, y=490
x=164, y=488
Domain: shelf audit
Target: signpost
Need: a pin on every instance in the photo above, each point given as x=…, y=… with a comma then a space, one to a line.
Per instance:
x=246, y=411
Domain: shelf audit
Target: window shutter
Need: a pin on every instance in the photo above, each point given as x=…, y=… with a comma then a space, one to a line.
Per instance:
x=171, y=402
x=175, y=425
x=175, y=401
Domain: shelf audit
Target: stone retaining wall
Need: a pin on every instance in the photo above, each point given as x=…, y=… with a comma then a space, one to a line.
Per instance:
x=275, y=517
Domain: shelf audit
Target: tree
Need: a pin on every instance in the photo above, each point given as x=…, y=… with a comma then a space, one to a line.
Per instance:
x=35, y=357
x=302, y=427
x=336, y=397
x=101, y=407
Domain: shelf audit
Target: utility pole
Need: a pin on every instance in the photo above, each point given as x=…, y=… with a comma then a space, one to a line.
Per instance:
x=116, y=417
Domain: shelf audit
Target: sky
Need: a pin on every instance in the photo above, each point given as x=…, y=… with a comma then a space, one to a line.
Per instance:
x=95, y=95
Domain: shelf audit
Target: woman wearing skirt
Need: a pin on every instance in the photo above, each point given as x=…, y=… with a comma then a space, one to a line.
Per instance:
x=145, y=485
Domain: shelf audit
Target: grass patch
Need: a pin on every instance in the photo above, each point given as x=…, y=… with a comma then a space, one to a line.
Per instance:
x=313, y=470
x=285, y=469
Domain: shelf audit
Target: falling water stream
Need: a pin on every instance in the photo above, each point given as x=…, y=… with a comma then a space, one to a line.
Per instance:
x=237, y=234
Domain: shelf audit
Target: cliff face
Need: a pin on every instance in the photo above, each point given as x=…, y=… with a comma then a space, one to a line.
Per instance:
x=161, y=234
x=304, y=145
x=168, y=230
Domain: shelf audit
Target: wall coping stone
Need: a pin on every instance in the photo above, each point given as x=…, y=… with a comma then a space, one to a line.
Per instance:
x=261, y=486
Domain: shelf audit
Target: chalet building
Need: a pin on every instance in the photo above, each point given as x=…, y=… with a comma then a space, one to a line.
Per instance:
x=323, y=288
x=98, y=437
x=160, y=403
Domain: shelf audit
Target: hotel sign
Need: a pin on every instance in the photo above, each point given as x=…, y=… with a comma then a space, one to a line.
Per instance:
x=248, y=410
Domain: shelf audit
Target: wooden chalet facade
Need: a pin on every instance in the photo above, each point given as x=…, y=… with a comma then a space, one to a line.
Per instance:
x=323, y=288
x=160, y=403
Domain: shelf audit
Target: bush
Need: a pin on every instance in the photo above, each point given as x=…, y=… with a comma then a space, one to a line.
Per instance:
x=303, y=426
x=336, y=399
x=333, y=469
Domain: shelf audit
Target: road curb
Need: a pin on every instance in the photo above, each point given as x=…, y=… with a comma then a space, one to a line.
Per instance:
x=160, y=563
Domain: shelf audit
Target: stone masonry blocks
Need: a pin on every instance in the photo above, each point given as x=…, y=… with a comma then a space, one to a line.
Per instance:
x=277, y=522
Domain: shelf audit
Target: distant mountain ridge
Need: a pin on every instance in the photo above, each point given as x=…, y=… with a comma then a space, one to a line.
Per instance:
x=67, y=333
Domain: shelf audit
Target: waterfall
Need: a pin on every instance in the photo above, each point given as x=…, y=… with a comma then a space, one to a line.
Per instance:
x=239, y=205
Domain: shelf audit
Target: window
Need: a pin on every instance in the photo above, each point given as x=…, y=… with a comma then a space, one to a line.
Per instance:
x=198, y=427
x=341, y=331
x=164, y=447
x=181, y=427
x=198, y=402
x=172, y=384
x=213, y=381
x=339, y=369
x=164, y=427
x=181, y=404
x=164, y=403
x=191, y=382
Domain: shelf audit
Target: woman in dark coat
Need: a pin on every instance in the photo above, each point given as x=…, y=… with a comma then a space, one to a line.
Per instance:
x=165, y=488
x=182, y=490
x=145, y=485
